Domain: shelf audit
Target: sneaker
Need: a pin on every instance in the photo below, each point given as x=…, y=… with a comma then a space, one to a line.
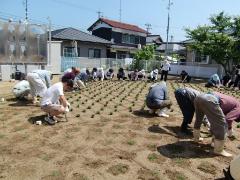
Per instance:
x=150, y=111
x=161, y=113
x=49, y=120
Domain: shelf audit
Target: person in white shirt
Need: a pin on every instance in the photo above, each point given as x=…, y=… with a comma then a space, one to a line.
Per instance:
x=100, y=74
x=154, y=75
x=39, y=81
x=54, y=102
x=165, y=68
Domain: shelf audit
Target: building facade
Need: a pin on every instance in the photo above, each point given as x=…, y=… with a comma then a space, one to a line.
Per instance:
x=126, y=38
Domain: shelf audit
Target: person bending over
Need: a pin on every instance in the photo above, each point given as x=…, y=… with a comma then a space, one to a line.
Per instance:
x=209, y=105
x=185, y=99
x=39, y=81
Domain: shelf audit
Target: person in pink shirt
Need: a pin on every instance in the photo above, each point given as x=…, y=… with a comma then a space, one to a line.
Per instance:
x=231, y=109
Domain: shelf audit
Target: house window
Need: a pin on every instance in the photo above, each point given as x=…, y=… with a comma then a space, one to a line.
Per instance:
x=94, y=53
x=71, y=52
x=125, y=38
x=201, y=58
x=132, y=39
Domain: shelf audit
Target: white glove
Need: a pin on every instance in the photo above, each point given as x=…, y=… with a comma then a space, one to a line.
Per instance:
x=230, y=133
x=68, y=107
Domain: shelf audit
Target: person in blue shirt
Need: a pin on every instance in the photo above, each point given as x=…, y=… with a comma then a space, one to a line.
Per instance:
x=157, y=99
x=214, y=81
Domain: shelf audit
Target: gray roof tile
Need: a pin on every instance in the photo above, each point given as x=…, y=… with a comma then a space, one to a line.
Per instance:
x=75, y=34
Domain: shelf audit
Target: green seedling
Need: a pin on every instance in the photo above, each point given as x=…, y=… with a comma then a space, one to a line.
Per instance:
x=71, y=110
x=83, y=102
x=101, y=108
x=130, y=109
x=78, y=106
x=110, y=113
x=77, y=115
x=93, y=104
x=84, y=111
x=98, y=112
x=92, y=116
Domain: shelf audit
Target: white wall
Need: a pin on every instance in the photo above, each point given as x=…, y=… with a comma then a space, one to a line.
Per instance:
x=55, y=57
x=196, y=71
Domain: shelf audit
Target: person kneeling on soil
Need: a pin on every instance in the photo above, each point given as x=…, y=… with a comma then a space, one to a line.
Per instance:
x=133, y=75
x=157, y=99
x=185, y=77
x=109, y=74
x=185, y=99
x=81, y=79
x=141, y=74
x=214, y=81
x=154, y=75
x=21, y=90
x=100, y=74
x=209, y=105
x=53, y=96
x=121, y=74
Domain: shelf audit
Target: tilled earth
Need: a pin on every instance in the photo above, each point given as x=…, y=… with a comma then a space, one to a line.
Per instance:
x=109, y=135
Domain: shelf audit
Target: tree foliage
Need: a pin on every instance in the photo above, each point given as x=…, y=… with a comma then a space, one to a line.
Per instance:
x=220, y=39
x=146, y=53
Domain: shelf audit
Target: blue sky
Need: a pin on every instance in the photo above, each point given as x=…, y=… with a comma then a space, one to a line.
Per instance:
x=82, y=13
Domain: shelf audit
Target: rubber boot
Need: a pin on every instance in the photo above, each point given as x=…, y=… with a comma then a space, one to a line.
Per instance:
x=219, y=148
x=161, y=112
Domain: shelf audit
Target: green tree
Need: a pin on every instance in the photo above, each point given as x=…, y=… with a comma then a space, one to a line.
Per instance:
x=146, y=53
x=220, y=39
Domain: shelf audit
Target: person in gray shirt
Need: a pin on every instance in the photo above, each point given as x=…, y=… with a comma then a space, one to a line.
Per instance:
x=185, y=99
x=157, y=99
x=39, y=81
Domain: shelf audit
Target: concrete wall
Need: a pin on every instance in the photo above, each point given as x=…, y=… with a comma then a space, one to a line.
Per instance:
x=202, y=71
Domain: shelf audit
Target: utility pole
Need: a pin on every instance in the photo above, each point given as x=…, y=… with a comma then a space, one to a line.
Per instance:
x=50, y=40
x=148, y=27
x=120, y=11
x=26, y=10
x=168, y=21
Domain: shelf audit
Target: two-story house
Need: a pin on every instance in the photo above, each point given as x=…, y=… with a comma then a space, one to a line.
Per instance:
x=127, y=38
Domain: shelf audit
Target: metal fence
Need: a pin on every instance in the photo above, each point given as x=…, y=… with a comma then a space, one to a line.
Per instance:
x=105, y=63
x=193, y=68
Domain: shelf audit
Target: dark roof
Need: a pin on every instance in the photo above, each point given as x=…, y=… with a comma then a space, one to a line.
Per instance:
x=75, y=34
x=154, y=39
x=120, y=25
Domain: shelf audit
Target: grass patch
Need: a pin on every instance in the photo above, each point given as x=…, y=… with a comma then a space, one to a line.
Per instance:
x=131, y=142
x=118, y=169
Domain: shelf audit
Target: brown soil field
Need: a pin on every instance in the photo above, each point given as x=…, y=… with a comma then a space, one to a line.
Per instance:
x=109, y=135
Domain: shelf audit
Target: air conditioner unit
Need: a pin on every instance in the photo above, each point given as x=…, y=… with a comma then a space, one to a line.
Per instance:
x=139, y=46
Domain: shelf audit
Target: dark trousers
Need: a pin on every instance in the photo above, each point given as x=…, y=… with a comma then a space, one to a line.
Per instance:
x=164, y=74
x=186, y=107
x=237, y=81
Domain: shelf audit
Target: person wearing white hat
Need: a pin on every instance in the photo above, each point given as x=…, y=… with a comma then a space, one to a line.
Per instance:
x=157, y=99
x=39, y=81
x=21, y=90
x=100, y=74
x=154, y=75
x=141, y=74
